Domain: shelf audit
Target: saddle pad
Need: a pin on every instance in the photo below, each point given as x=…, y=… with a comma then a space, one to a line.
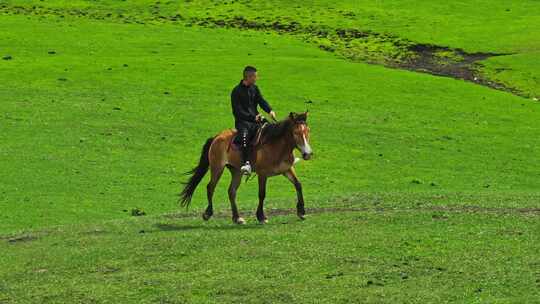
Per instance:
x=253, y=142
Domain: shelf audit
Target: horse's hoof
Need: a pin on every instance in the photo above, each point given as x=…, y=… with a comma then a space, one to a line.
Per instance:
x=261, y=218
x=206, y=216
x=240, y=221
x=301, y=216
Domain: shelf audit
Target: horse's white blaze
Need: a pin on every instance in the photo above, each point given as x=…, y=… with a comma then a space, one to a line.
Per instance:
x=305, y=147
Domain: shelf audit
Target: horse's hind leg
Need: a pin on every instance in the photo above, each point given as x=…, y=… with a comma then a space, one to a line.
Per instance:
x=262, y=194
x=300, y=210
x=216, y=172
x=235, y=183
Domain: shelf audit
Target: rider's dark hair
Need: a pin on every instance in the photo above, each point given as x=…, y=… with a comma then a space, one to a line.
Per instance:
x=249, y=69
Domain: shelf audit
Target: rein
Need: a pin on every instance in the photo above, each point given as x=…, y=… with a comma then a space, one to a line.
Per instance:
x=264, y=123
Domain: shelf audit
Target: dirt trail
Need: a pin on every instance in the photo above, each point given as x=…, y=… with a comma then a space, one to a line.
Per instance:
x=449, y=209
x=445, y=210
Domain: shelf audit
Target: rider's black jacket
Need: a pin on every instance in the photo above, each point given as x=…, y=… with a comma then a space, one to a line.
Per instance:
x=244, y=101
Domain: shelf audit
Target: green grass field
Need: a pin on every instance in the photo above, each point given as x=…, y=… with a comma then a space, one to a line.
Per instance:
x=423, y=189
x=348, y=257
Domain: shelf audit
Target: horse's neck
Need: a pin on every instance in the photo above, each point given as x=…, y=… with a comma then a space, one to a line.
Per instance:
x=283, y=147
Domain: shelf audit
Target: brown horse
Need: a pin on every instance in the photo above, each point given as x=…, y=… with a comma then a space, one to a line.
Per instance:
x=272, y=155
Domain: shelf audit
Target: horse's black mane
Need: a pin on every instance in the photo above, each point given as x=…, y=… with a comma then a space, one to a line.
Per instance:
x=274, y=131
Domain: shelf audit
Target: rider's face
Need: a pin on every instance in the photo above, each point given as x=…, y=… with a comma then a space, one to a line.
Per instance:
x=251, y=78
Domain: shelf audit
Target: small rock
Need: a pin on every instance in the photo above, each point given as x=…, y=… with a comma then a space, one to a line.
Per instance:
x=137, y=212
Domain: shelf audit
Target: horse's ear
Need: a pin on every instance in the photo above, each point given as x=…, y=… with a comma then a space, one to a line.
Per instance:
x=301, y=118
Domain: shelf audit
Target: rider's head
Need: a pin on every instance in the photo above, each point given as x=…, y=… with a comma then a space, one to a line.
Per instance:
x=250, y=75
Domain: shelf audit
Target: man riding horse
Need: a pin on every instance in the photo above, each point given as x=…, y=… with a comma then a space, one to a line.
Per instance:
x=273, y=154
x=244, y=100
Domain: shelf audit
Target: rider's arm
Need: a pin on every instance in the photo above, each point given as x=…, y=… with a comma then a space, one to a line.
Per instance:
x=234, y=104
x=262, y=102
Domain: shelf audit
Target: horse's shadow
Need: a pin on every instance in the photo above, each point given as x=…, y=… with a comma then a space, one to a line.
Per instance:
x=190, y=227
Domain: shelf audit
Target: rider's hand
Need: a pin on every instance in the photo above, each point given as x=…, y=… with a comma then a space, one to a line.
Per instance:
x=273, y=115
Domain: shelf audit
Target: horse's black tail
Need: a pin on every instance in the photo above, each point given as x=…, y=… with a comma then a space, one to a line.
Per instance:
x=197, y=174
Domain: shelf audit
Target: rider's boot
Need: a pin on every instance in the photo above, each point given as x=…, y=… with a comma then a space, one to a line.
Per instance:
x=246, y=167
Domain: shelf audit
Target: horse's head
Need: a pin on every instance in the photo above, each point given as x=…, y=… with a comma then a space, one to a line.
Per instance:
x=301, y=133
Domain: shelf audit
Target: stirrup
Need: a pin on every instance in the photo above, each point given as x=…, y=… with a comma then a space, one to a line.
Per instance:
x=246, y=169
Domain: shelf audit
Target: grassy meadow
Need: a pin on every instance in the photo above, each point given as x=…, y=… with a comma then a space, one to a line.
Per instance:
x=422, y=189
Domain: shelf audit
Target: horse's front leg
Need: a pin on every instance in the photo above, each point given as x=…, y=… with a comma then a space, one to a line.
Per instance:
x=262, y=194
x=300, y=210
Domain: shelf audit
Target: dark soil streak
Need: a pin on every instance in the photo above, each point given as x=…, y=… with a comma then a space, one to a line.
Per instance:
x=466, y=67
x=420, y=57
x=22, y=238
x=404, y=54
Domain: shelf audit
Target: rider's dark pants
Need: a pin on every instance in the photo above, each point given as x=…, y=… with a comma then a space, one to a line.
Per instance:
x=246, y=132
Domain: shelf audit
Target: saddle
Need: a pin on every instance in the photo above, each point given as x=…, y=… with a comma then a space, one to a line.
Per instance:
x=254, y=141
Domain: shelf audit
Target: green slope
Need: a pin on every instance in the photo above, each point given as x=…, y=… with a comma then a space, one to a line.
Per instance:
x=475, y=26
x=429, y=185
x=85, y=137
